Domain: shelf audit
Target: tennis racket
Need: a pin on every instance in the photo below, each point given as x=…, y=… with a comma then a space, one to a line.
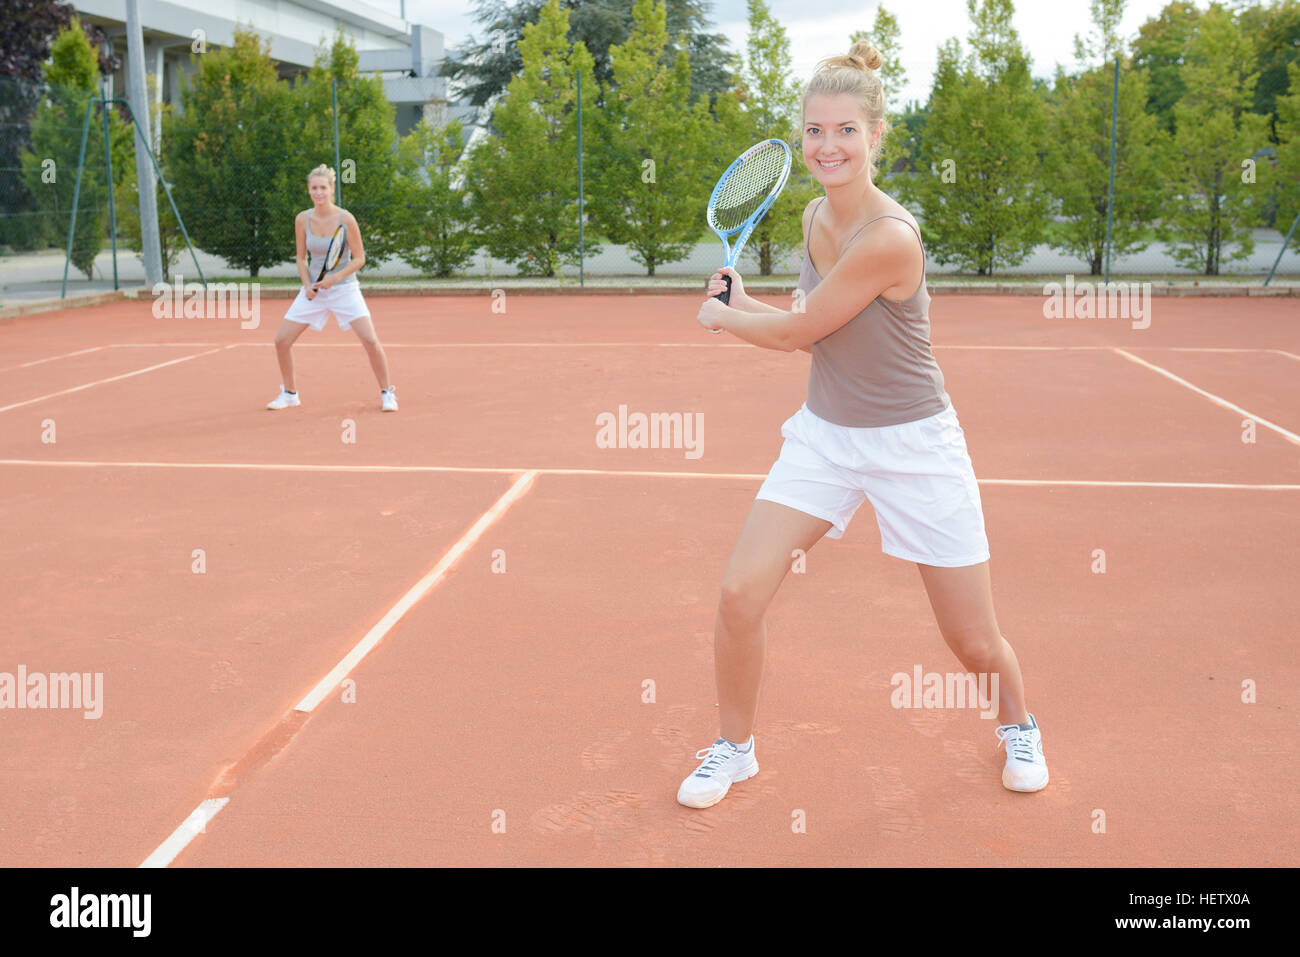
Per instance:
x=743, y=196
x=334, y=251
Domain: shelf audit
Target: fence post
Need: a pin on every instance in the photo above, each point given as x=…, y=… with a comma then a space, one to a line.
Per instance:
x=581, y=277
x=338, y=185
x=1110, y=190
x=108, y=172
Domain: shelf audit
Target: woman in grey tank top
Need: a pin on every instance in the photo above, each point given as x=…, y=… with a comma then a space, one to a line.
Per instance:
x=877, y=425
x=329, y=292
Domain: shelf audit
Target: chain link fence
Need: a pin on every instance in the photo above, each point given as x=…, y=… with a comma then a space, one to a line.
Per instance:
x=227, y=198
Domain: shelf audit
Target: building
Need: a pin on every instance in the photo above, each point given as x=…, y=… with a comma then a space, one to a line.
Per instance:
x=405, y=55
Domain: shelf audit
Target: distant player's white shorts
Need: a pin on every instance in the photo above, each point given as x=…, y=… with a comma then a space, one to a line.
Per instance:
x=917, y=475
x=344, y=301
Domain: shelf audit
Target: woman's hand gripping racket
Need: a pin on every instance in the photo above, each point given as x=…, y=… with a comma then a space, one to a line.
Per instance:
x=743, y=196
x=332, y=253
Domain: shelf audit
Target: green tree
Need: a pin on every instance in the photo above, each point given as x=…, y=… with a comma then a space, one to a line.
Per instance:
x=367, y=183
x=1276, y=29
x=980, y=187
x=228, y=152
x=26, y=32
x=647, y=186
x=1078, y=158
x=1160, y=50
x=73, y=78
x=433, y=219
x=524, y=182
x=484, y=68
x=1215, y=133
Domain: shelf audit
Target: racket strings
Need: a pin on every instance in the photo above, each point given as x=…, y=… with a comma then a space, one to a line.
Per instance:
x=747, y=187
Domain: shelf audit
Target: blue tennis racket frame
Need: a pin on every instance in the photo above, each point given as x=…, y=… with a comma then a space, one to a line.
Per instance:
x=732, y=253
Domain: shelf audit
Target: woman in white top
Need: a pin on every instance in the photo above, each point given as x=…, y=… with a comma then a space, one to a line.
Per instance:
x=337, y=292
x=877, y=425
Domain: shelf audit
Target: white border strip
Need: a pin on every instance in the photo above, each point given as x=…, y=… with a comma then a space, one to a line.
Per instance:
x=627, y=473
x=1217, y=400
x=416, y=592
x=125, y=375
x=189, y=829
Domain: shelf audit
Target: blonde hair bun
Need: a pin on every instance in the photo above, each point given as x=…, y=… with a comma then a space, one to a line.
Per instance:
x=869, y=55
x=322, y=170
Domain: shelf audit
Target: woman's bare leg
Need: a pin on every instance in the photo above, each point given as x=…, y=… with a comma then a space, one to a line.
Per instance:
x=962, y=600
x=285, y=337
x=365, y=331
x=759, y=562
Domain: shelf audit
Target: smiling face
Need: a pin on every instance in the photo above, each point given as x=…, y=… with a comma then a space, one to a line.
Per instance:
x=321, y=190
x=836, y=143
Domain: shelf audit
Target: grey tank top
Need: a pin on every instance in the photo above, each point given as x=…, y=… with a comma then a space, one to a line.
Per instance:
x=316, y=247
x=877, y=369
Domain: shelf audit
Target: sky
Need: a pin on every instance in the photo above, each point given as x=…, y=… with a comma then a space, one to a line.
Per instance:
x=821, y=28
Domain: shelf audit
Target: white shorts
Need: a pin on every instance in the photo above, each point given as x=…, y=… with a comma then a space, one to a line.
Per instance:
x=917, y=475
x=344, y=301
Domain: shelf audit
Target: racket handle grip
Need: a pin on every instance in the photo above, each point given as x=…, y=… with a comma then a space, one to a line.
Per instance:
x=725, y=295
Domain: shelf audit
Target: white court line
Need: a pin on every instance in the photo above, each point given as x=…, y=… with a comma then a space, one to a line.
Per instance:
x=66, y=355
x=125, y=375
x=1217, y=400
x=417, y=591
x=516, y=345
x=629, y=473
x=1289, y=355
x=189, y=829
x=656, y=345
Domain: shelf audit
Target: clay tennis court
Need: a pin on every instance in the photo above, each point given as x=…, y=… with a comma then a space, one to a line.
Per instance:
x=518, y=588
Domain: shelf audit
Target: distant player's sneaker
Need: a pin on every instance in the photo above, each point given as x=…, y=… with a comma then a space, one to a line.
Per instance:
x=1026, y=768
x=285, y=400
x=389, y=399
x=724, y=765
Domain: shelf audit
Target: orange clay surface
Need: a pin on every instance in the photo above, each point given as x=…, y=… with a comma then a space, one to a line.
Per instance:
x=540, y=703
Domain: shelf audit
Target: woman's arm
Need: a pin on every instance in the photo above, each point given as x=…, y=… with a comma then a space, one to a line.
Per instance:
x=881, y=259
x=300, y=236
x=753, y=305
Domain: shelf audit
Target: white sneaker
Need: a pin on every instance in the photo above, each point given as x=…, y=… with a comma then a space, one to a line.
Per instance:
x=389, y=398
x=285, y=400
x=1026, y=768
x=724, y=765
